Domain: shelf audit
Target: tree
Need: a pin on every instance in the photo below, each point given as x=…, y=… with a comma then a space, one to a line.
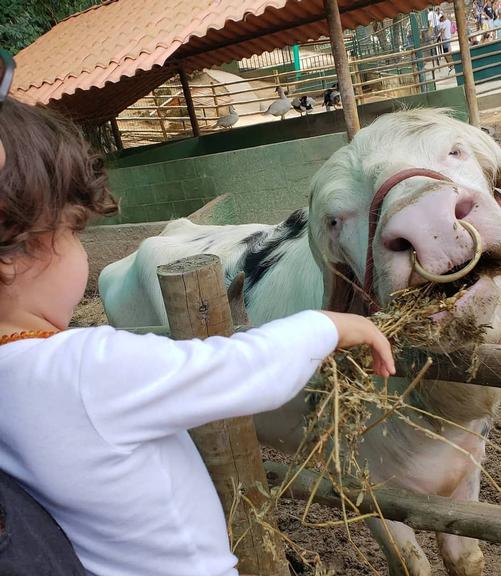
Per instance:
x=23, y=21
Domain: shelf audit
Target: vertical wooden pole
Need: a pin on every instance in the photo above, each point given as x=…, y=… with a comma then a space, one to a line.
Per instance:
x=214, y=96
x=189, y=101
x=197, y=306
x=342, y=68
x=469, y=82
x=115, y=130
x=359, y=91
x=417, y=54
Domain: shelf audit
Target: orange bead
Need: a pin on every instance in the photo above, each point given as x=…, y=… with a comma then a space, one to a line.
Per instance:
x=7, y=338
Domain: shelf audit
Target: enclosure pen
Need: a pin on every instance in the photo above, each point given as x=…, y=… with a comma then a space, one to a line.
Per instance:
x=325, y=468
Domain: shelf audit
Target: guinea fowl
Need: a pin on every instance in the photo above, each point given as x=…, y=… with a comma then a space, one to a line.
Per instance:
x=281, y=106
x=229, y=120
x=332, y=98
x=303, y=104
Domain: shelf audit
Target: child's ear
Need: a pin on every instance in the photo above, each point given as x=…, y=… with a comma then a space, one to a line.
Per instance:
x=2, y=155
x=7, y=269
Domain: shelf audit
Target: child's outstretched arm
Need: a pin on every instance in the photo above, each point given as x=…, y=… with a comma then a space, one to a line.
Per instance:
x=138, y=388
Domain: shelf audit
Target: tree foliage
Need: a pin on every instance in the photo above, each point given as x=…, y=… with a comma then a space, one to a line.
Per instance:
x=23, y=21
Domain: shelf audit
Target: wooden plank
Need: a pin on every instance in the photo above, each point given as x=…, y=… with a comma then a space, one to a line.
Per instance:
x=189, y=101
x=197, y=306
x=419, y=511
x=456, y=367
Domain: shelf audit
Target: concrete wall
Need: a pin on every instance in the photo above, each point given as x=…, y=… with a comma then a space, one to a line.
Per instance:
x=106, y=244
x=265, y=182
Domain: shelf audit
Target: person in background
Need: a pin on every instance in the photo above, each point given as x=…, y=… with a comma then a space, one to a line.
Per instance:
x=477, y=10
x=445, y=34
x=489, y=11
x=433, y=19
x=489, y=16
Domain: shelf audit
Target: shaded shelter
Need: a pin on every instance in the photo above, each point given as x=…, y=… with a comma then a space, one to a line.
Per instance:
x=96, y=63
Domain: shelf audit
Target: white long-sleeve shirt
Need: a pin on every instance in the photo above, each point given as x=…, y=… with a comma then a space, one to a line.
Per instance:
x=94, y=425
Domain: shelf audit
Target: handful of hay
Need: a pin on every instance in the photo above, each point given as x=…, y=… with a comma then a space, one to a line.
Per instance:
x=345, y=394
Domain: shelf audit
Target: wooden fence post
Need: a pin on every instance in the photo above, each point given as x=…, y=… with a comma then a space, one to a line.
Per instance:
x=197, y=306
x=214, y=96
x=116, y=134
x=348, y=99
x=359, y=90
x=464, y=47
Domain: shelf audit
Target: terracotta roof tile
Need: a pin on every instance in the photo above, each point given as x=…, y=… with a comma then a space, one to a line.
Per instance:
x=96, y=63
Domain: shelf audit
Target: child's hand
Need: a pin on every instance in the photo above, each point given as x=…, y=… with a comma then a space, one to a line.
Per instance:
x=354, y=330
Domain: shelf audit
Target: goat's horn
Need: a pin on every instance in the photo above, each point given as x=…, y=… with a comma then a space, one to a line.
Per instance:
x=444, y=278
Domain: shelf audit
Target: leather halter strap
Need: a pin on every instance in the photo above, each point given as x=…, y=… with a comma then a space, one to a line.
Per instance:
x=374, y=211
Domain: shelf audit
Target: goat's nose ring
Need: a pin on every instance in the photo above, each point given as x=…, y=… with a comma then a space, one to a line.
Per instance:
x=444, y=278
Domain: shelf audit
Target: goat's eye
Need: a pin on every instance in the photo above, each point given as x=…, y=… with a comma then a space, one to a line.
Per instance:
x=333, y=222
x=456, y=152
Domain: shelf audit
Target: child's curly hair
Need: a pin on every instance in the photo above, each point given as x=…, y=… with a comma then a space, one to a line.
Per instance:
x=50, y=178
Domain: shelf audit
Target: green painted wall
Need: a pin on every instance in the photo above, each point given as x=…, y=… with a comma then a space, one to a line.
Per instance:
x=265, y=169
x=264, y=183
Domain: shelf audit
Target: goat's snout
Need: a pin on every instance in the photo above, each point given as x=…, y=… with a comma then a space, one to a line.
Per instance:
x=430, y=226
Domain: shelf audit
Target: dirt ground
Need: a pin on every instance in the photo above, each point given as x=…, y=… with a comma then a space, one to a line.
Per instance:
x=338, y=553
x=333, y=545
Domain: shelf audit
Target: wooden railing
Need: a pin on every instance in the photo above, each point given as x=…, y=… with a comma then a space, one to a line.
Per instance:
x=163, y=114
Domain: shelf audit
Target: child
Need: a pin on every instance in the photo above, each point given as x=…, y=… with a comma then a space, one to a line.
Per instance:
x=94, y=421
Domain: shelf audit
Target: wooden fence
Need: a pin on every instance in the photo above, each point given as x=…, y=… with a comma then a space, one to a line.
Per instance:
x=163, y=114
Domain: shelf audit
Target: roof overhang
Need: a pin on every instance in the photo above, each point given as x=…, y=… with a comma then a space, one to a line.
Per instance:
x=95, y=64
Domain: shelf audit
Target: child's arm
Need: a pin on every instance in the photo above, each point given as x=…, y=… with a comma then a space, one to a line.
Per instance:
x=355, y=330
x=138, y=388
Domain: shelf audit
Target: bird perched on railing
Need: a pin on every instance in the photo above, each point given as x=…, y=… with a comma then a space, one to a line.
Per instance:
x=281, y=106
x=229, y=120
x=332, y=98
x=303, y=104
